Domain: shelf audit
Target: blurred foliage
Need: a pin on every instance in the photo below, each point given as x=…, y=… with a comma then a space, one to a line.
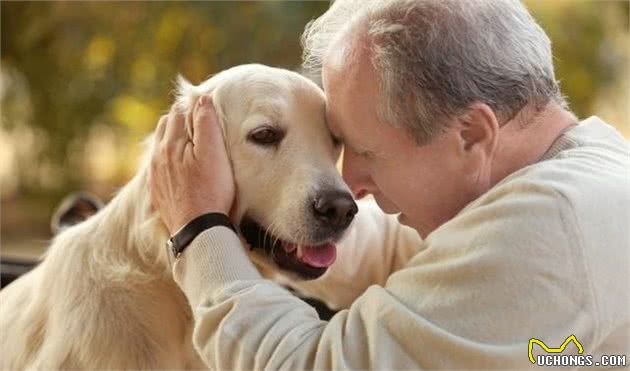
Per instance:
x=591, y=46
x=86, y=65
x=84, y=82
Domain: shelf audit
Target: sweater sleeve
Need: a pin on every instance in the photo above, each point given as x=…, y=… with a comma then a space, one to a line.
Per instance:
x=482, y=286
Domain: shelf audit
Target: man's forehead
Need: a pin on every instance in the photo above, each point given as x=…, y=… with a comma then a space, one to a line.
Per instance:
x=338, y=75
x=345, y=51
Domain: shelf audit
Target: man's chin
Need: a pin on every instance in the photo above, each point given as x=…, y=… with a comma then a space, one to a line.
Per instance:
x=422, y=229
x=386, y=207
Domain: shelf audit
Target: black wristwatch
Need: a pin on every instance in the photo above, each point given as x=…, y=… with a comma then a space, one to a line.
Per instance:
x=182, y=238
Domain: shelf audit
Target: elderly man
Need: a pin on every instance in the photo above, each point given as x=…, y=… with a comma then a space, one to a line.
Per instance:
x=451, y=117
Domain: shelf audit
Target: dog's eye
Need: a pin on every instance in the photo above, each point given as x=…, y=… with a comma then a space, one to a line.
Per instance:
x=266, y=136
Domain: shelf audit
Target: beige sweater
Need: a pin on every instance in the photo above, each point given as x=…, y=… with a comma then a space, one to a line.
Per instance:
x=544, y=254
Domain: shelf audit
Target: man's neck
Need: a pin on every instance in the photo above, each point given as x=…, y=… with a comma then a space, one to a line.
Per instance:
x=527, y=137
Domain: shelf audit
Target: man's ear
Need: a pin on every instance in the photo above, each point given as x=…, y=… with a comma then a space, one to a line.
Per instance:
x=479, y=129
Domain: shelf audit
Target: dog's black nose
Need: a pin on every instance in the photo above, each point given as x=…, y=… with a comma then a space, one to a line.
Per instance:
x=335, y=209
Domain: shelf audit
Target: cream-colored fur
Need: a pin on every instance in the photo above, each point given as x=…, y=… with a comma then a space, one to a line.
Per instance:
x=104, y=298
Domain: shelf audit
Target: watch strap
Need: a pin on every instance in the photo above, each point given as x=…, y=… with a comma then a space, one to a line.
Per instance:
x=182, y=238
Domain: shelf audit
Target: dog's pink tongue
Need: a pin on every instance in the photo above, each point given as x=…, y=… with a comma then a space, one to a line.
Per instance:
x=319, y=256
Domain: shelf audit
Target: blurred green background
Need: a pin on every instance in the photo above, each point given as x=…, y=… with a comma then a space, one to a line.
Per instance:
x=83, y=82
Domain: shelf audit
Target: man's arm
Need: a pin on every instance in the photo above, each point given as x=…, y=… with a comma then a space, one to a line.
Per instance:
x=254, y=324
x=482, y=286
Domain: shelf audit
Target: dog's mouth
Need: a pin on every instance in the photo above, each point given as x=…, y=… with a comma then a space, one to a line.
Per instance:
x=307, y=261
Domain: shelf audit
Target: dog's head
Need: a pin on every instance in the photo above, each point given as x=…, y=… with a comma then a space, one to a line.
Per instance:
x=291, y=203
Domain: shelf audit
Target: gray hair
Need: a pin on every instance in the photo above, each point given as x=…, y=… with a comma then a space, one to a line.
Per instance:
x=434, y=58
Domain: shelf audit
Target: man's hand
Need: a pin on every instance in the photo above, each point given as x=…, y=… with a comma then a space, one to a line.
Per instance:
x=190, y=172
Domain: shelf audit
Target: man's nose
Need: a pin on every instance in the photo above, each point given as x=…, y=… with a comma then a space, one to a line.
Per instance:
x=354, y=174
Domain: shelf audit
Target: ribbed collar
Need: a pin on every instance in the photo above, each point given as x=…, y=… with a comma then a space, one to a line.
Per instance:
x=562, y=143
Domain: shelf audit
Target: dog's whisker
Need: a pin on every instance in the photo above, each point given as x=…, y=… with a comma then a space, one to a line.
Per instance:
x=272, y=226
x=277, y=238
x=266, y=234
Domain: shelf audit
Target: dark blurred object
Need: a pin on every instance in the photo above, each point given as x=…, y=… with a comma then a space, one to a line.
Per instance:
x=12, y=268
x=74, y=209
x=324, y=312
x=322, y=309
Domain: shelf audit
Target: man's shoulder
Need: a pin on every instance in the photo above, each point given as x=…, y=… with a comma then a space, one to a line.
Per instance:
x=522, y=211
x=549, y=242
x=592, y=168
x=580, y=196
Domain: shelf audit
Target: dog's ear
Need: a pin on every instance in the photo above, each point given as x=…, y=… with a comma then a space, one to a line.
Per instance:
x=74, y=209
x=188, y=94
x=218, y=103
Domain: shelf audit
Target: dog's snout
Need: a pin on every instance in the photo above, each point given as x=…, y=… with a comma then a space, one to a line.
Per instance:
x=335, y=209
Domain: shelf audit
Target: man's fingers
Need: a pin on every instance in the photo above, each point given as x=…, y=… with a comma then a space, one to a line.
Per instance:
x=175, y=137
x=206, y=128
x=157, y=140
x=189, y=123
x=161, y=128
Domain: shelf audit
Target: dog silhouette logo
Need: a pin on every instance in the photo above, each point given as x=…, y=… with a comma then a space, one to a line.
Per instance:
x=547, y=349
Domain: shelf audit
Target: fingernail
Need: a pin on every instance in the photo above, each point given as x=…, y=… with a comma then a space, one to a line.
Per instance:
x=202, y=100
